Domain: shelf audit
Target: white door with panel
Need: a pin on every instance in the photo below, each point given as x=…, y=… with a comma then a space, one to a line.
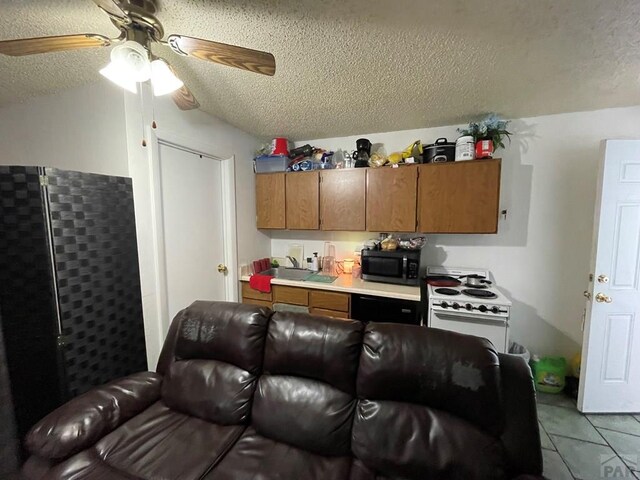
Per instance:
x=610, y=372
x=192, y=224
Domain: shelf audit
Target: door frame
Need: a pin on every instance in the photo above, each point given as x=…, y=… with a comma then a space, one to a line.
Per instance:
x=159, y=137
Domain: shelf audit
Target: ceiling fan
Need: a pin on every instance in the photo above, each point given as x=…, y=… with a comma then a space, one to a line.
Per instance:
x=132, y=60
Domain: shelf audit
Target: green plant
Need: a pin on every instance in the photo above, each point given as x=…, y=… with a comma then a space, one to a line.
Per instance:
x=492, y=127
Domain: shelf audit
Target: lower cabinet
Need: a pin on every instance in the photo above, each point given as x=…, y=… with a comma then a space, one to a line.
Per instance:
x=320, y=302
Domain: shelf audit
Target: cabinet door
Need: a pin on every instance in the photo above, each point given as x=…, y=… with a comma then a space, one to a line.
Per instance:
x=270, y=195
x=391, y=199
x=290, y=295
x=342, y=199
x=302, y=200
x=460, y=197
x=329, y=313
x=329, y=300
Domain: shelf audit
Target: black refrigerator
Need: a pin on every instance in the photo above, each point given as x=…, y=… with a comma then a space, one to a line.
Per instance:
x=70, y=297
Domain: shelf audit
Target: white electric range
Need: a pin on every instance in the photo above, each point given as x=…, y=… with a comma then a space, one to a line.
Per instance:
x=481, y=311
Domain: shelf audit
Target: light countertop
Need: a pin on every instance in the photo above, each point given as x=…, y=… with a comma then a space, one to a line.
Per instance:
x=346, y=283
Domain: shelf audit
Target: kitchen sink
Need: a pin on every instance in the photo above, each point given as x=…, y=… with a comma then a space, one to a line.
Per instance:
x=288, y=273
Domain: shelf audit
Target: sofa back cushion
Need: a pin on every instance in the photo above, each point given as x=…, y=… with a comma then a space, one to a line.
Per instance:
x=228, y=332
x=306, y=396
x=429, y=405
x=215, y=359
x=416, y=442
x=459, y=374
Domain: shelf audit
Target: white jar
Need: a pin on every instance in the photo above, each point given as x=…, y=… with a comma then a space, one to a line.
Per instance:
x=465, y=148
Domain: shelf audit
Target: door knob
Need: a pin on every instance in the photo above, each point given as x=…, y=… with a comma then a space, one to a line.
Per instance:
x=587, y=295
x=602, y=298
x=603, y=279
x=222, y=268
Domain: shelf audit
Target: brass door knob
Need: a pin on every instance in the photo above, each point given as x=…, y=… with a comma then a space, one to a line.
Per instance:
x=603, y=279
x=602, y=298
x=222, y=268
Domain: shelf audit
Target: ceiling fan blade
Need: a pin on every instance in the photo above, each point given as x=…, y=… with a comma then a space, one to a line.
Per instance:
x=112, y=8
x=29, y=46
x=230, y=55
x=184, y=99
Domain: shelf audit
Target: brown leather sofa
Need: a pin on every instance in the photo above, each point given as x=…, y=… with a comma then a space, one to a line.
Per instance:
x=242, y=393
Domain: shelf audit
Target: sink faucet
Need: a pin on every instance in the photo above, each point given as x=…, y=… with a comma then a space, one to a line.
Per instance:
x=294, y=261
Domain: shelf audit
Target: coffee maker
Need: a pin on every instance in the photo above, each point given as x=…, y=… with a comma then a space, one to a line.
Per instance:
x=362, y=153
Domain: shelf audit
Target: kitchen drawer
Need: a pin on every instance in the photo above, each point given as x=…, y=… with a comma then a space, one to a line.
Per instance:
x=329, y=300
x=290, y=295
x=253, y=301
x=329, y=313
x=248, y=292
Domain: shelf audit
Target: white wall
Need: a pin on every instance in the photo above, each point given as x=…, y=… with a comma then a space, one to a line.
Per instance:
x=79, y=129
x=541, y=254
x=97, y=129
x=200, y=128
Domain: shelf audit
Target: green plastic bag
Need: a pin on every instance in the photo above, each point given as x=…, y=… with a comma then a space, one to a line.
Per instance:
x=549, y=373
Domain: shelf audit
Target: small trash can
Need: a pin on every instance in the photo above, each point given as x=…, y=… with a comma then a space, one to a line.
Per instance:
x=519, y=351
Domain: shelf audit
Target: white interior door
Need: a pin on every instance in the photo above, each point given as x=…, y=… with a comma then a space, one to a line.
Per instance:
x=192, y=220
x=610, y=373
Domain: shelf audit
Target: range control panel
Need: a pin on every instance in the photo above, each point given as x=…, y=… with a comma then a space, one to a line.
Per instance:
x=470, y=307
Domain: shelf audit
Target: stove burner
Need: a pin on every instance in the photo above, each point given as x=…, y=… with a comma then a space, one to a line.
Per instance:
x=478, y=293
x=447, y=291
x=475, y=286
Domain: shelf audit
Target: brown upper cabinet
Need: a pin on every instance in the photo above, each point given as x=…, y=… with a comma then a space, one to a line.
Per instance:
x=302, y=200
x=270, y=200
x=456, y=197
x=391, y=199
x=459, y=197
x=342, y=199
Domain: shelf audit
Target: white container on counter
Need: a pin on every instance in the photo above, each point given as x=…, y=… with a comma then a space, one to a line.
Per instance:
x=465, y=148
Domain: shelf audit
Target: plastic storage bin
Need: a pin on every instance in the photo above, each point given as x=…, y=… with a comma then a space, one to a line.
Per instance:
x=549, y=374
x=271, y=163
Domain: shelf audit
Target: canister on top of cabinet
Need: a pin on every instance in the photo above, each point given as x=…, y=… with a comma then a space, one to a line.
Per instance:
x=465, y=148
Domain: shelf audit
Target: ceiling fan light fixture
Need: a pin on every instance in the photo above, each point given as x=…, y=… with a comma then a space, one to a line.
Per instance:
x=163, y=80
x=133, y=59
x=117, y=75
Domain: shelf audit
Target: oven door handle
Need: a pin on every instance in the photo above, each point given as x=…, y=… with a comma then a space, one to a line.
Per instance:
x=470, y=318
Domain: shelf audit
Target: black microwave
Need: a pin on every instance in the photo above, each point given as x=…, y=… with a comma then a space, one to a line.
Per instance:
x=396, y=266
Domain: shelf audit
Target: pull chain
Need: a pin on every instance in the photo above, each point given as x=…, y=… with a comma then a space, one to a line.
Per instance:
x=144, y=141
x=153, y=114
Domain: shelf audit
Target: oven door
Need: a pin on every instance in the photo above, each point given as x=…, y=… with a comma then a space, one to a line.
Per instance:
x=496, y=330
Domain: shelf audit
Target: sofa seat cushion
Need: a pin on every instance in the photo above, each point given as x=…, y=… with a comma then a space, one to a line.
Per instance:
x=159, y=443
x=86, y=464
x=255, y=457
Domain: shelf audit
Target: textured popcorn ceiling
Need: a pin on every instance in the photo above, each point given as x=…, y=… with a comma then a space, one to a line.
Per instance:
x=355, y=66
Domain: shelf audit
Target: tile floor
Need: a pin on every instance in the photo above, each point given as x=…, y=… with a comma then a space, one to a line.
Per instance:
x=586, y=447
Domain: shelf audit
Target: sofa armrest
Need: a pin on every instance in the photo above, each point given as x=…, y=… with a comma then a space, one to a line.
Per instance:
x=521, y=436
x=84, y=420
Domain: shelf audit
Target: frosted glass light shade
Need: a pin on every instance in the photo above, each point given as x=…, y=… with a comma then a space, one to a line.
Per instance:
x=163, y=79
x=119, y=76
x=133, y=58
